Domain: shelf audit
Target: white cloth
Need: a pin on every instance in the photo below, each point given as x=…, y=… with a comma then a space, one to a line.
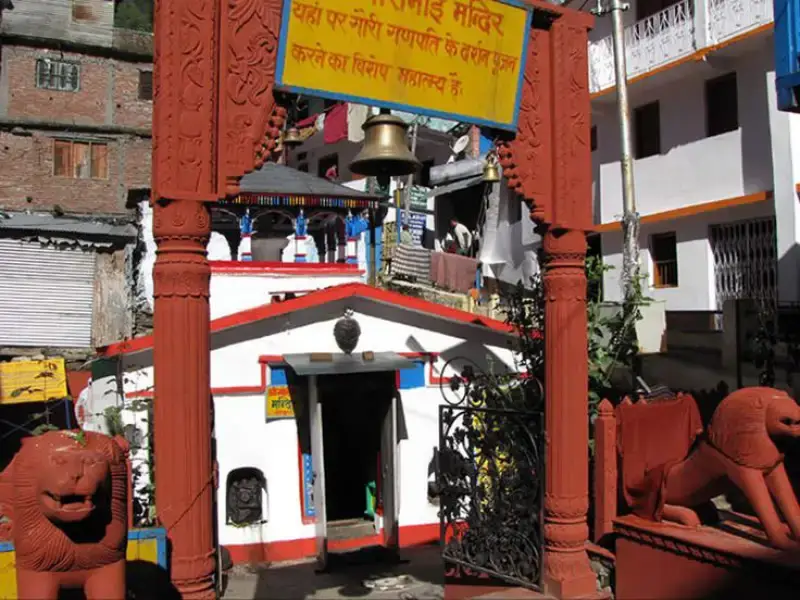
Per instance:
x=463, y=236
x=356, y=116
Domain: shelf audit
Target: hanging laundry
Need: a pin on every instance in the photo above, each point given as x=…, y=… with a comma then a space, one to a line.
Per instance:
x=336, y=124
x=356, y=116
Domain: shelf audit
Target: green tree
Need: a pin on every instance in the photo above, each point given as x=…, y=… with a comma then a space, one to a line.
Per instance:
x=134, y=14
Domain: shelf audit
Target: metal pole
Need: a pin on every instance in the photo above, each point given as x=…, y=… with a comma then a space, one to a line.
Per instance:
x=630, y=218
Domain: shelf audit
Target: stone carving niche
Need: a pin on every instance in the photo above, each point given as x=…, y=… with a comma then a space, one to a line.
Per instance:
x=245, y=497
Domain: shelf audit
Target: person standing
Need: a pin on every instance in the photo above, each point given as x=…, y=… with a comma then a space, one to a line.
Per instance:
x=462, y=236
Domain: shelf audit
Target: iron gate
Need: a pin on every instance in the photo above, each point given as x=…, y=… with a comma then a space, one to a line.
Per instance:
x=745, y=263
x=490, y=477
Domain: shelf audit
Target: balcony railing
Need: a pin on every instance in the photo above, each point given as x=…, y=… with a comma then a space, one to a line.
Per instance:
x=657, y=40
x=729, y=18
x=670, y=35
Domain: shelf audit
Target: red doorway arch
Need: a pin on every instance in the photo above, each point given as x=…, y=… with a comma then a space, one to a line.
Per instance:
x=216, y=118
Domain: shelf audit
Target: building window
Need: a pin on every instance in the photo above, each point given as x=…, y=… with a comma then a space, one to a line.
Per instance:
x=664, y=254
x=57, y=75
x=328, y=166
x=245, y=496
x=145, y=85
x=648, y=8
x=593, y=138
x=722, y=105
x=80, y=160
x=647, y=127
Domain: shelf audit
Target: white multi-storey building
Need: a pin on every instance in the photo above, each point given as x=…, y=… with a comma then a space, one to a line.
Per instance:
x=717, y=166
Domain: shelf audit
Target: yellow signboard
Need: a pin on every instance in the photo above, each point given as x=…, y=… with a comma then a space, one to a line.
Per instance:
x=279, y=403
x=33, y=381
x=456, y=59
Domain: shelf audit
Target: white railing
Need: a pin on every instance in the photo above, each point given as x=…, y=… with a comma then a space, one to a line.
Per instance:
x=729, y=18
x=669, y=35
x=657, y=40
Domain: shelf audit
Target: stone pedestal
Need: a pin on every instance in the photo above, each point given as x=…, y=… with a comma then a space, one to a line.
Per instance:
x=662, y=561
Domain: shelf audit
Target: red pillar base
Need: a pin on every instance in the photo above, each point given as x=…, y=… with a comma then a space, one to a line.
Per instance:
x=569, y=576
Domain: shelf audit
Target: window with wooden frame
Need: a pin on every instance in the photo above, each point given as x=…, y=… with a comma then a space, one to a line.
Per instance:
x=664, y=255
x=146, y=85
x=58, y=75
x=648, y=8
x=647, y=130
x=327, y=162
x=80, y=159
x=722, y=105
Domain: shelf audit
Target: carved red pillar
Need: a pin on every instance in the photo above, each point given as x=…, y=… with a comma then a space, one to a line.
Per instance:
x=605, y=471
x=567, y=570
x=568, y=573
x=182, y=409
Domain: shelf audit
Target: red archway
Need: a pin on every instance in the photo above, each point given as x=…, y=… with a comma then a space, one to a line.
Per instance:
x=216, y=119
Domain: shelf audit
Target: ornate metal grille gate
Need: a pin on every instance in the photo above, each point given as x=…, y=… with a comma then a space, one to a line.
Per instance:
x=745, y=260
x=490, y=477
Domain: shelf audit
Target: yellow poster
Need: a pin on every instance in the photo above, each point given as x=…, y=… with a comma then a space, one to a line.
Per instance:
x=279, y=403
x=33, y=381
x=454, y=59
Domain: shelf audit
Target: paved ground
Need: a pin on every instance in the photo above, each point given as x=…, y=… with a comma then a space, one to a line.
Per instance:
x=363, y=574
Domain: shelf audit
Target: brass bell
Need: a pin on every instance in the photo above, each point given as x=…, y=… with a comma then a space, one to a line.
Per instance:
x=292, y=138
x=491, y=174
x=385, y=152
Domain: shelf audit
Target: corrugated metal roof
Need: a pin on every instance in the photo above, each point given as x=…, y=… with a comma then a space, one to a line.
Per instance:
x=63, y=229
x=455, y=186
x=280, y=180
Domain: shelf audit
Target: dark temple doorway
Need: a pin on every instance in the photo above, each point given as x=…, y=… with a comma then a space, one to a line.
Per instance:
x=354, y=407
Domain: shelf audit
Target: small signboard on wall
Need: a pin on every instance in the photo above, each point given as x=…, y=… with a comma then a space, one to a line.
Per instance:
x=416, y=226
x=279, y=403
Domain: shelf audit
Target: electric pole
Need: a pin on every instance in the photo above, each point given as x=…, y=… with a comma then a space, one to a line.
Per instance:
x=630, y=218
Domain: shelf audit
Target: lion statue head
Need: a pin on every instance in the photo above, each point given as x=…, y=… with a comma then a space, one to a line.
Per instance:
x=746, y=421
x=69, y=501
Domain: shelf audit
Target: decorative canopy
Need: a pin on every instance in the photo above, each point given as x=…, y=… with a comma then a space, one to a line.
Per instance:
x=279, y=185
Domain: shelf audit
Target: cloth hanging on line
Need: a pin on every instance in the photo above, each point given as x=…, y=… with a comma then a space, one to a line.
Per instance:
x=335, y=124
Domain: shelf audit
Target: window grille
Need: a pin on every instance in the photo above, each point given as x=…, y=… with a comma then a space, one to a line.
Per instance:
x=57, y=75
x=664, y=254
x=145, y=85
x=745, y=260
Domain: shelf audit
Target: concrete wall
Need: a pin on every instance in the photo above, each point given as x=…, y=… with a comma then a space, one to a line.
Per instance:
x=233, y=291
x=245, y=439
x=112, y=312
x=27, y=181
x=108, y=109
x=691, y=168
x=696, y=288
x=78, y=21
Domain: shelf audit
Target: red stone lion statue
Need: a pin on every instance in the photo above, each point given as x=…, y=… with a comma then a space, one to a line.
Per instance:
x=664, y=479
x=65, y=493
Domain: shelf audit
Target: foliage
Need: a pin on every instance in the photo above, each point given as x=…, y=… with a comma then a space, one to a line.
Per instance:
x=134, y=14
x=611, y=334
x=114, y=424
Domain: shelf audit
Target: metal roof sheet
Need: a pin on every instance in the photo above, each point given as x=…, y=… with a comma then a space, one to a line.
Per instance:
x=280, y=180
